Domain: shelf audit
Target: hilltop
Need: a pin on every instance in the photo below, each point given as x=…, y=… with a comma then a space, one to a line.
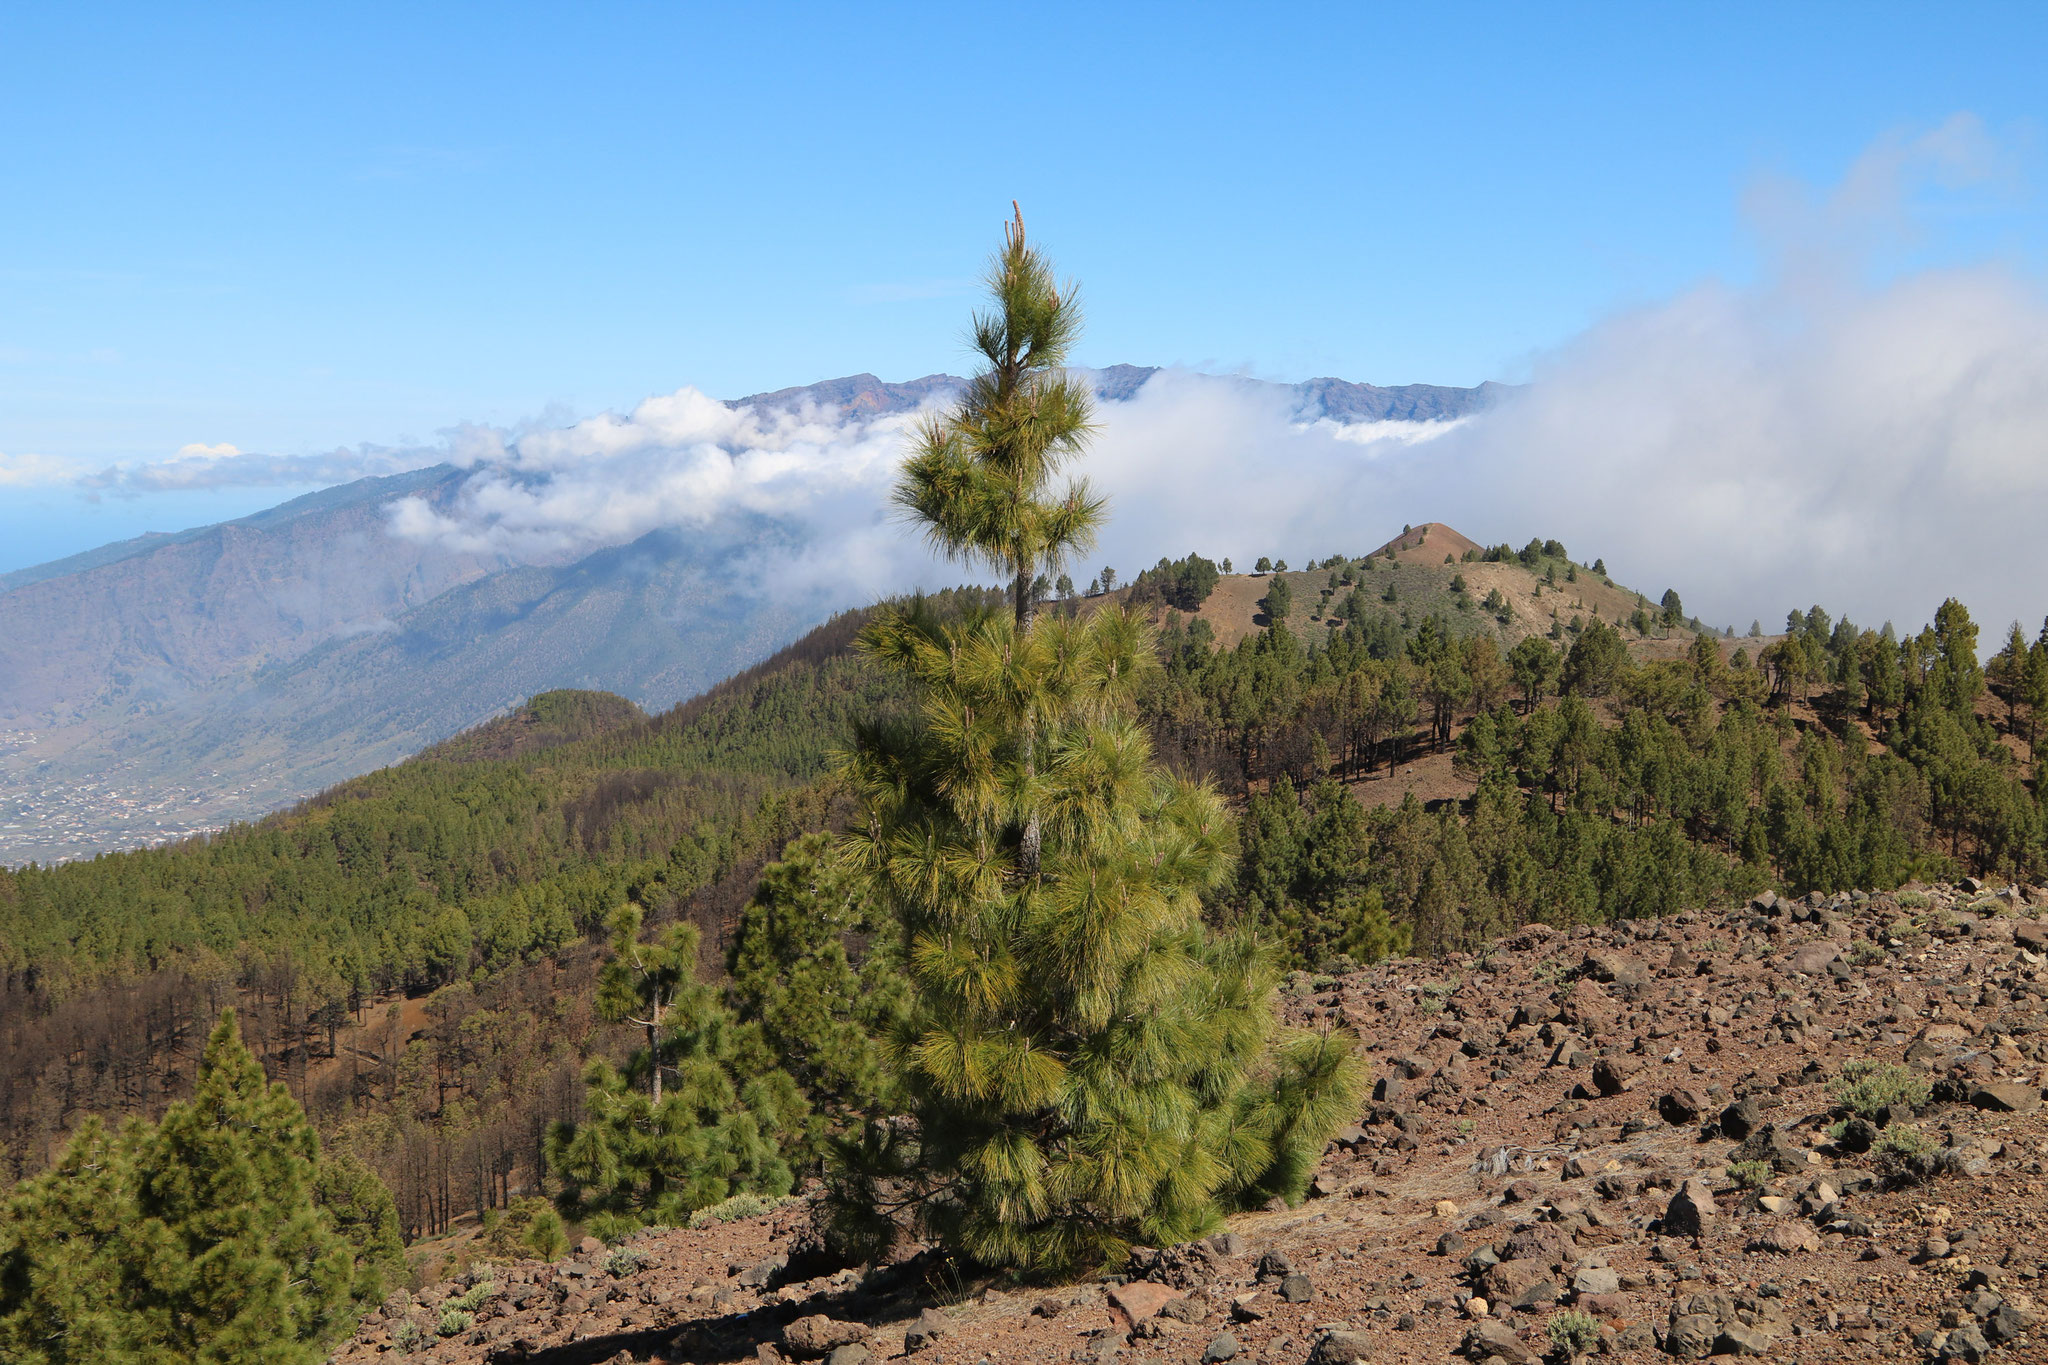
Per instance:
x=1414, y=574
x=1658, y=1125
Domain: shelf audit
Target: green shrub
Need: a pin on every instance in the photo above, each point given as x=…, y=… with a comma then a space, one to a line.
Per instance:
x=454, y=1322
x=1912, y=900
x=625, y=1261
x=1864, y=953
x=1897, y=1152
x=1903, y=1139
x=1750, y=1175
x=1867, y=1086
x=1573, y=1332
x=544, y=1235
x=474, y=1297
x=730, y=1210
x=408, y=1336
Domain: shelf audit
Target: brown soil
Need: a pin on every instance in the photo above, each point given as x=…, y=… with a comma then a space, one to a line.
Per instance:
x=1495, y=1124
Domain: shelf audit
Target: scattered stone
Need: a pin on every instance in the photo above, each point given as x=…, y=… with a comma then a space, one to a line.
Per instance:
x=1786, y=1239
x=1223, y=1348
x=1742, y=1118
x=1691, y=1211
x=925, y=1333
x=817, y=1336
x=1679, y=1107
x=1297, y=1288
x=1141, y=1299
x=1613, y=1076
x=1344, y=1348
x=1490, y=1338
x=2006, y=1097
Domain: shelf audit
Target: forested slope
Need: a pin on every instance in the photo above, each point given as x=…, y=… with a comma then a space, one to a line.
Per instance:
x=414, y=951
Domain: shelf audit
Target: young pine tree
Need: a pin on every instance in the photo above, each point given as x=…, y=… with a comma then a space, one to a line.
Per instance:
x=653, y=1150
x=1085, y=1066
x=202, y=1239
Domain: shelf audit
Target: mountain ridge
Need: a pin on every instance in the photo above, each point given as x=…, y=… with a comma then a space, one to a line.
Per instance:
x=175, y=681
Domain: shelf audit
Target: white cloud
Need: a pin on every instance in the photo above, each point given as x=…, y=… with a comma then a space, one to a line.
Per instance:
x=31, y=470
x=1834, y=433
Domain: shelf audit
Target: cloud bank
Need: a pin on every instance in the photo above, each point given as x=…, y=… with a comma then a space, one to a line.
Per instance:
x=1844, y=430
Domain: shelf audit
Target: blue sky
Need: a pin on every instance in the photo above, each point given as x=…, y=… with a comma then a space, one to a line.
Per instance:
x=288, y=229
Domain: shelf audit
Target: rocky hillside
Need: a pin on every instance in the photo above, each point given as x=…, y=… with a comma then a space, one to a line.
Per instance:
x=1803, y=1130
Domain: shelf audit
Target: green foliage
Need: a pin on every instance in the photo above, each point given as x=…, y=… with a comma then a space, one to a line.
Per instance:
x=1750, y=1175
x=1279, y=600
x=476, y=1296
x=623, y=1262
x=1573, y=1332
x=825, y=1018
x=655, y=1152
x=1900, y=1151
x=1597, y=661
x=732, y=1210
x=1183, y=584
x=545, y=1236
x=454, y=1322
x=1866, y=1087
x=201, y=1239
x=1086, y=1065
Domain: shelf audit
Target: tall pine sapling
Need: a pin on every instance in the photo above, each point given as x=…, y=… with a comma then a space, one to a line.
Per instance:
x=1085, y=1066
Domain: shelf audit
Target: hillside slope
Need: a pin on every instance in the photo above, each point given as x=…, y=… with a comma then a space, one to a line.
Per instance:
x=1644, y=1131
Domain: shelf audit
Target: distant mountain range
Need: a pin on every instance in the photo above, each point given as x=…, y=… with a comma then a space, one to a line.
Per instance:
x=173, y=683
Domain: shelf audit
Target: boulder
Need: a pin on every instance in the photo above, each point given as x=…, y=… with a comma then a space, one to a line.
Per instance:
x=1491, y=1338
x=817, y=1336
x=925, y=1333
x=1739, y=1340
x=1223, y=1348
x=1691, y=1211
x=1785, y=1239
x=1344, y=1348
x=1742, y=1118
x=1297, y=1288
x=1613, y=1076
x=1142, y=1299
x=1813, y=958
x=1680, y=1106
x=1596, y=1280
x=2007, y=1097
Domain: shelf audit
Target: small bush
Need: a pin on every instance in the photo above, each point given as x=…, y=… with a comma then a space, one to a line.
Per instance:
x=1867, y=1086
x=1903, y=1140
x=474, y=1297
x=625, y=1261
x=1899, y=1152
x=1573, y=1332
x=1864, y=953
x=1750, y=1175
x=454, y=1322
x=739, y=1206
x=407, y=1337
x=544, y=1235
x=1912, y=900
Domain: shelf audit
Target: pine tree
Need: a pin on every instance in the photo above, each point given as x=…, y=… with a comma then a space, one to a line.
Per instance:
x=1086, y=1067
x=202, y=1239
x=653, y=1154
